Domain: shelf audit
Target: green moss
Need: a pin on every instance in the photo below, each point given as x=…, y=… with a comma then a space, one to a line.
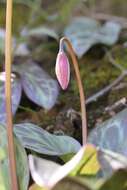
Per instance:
x=120, y=55
x=95, y=75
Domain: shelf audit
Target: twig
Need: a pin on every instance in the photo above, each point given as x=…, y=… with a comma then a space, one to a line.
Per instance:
x=113, y=84
x=27, y=109
x=113, y=62
x=117, y=104
x=8, y=55
x=106, y=89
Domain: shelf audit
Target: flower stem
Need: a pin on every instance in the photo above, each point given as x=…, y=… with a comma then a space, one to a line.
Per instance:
x=8, y=55
x=80, y=86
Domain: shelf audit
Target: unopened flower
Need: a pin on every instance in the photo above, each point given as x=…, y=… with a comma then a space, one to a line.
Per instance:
x=62, y=69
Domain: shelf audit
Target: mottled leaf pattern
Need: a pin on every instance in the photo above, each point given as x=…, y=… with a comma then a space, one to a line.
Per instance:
x=112, y=134
x=84, y=32
x=16, y=96
x=37, y=84
x=109, y=33
x=39, y=140
x=22, y=163
x=111, y=161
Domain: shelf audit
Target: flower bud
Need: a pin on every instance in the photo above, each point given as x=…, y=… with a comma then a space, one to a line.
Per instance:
x=62, y=69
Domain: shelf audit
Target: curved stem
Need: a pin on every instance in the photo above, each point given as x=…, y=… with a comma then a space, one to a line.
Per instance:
x=80, y=86
x=11, y=149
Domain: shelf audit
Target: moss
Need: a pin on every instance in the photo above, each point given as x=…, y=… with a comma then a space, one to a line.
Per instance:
x=95, y=75
x=120, y=55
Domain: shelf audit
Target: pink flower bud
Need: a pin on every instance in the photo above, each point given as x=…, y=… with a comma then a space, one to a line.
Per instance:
x=62, y=69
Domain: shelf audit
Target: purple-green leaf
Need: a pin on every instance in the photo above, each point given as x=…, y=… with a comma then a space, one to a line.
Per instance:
x=111, y=161
x=112, y=134
x=37, y=84
x=85, y=32
x=39, y=140
x=16, y=96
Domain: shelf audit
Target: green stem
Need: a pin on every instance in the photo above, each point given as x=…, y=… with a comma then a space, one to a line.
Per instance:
x=27, y=109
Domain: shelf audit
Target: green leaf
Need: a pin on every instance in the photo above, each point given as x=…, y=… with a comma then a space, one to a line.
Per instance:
x=39, y=140
x=2, y=187
x=67, y=157
x=111, y=161
x=21, y=162
x=112, y=134
x=109, y=33
x=84, y=32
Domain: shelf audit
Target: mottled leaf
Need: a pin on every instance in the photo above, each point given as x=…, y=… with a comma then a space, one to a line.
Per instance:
x=22, y=163
x=84, y=32
x=43, y=31
x=37, y=84
x=112, y=134
x=109, y=33
x=111, y=161
x=39, y=140
x=16, y=95
x=47, y=173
